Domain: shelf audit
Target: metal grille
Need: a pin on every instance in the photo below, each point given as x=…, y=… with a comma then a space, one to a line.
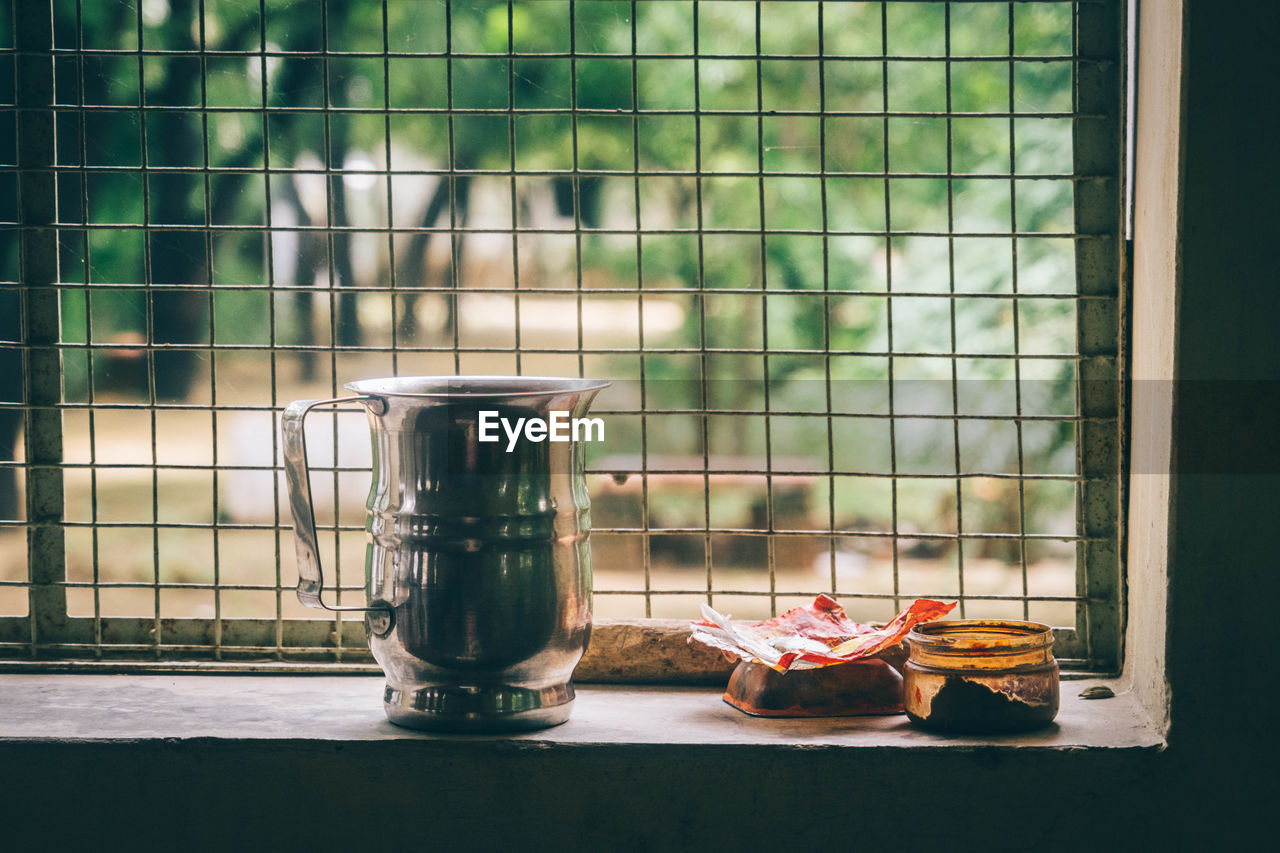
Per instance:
x=853, y=268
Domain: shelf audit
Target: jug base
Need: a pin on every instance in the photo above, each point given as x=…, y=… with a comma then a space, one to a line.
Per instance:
x=478, y=709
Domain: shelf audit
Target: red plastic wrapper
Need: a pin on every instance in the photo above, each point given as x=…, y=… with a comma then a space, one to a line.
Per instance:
x=819, y=635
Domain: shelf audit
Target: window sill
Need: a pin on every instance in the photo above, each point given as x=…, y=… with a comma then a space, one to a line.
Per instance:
x=36, y=708
x=309, y=762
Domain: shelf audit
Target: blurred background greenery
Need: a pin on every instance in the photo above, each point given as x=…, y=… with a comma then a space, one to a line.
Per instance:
x=716, y=198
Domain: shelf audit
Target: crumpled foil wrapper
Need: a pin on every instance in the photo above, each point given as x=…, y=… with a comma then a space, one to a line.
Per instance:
x=819, y=635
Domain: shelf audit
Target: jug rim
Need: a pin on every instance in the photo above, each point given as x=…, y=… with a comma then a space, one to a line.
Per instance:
x=474, y=386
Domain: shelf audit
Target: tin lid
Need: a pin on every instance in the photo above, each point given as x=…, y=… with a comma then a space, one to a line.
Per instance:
x=983, y=643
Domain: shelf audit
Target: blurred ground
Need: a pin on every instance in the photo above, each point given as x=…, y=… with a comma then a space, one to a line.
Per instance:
x=172, y=486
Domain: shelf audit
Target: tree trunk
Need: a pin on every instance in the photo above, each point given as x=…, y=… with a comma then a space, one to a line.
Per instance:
x=178, y=316
x=413, y=261
x=310, y=255
x=347, y=322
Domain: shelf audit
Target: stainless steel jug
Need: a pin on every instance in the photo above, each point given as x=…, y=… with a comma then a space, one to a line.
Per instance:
x=478, y=567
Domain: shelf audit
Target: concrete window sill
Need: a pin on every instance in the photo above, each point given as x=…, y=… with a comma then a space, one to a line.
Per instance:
x=225, y=762
x=37, y=708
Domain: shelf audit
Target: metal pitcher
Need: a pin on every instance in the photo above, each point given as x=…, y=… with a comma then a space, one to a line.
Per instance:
x=478, y=568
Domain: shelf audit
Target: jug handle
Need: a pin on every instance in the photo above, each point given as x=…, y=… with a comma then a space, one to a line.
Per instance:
x=310, y=574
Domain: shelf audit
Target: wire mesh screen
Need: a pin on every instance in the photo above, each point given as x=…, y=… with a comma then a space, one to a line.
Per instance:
x=851, y=266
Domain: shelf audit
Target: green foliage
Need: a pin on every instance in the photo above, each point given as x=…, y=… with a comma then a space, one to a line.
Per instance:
x=768, y=155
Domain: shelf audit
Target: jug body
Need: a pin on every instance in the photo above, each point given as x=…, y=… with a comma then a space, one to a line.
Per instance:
x=478, y=562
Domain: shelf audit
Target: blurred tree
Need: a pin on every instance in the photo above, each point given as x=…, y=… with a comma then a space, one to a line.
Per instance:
x=779, y=182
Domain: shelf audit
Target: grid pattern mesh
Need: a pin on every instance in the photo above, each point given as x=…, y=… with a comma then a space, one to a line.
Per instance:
x=852, y=267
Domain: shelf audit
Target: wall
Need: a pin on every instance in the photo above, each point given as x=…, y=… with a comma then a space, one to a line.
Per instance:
x=1224, y=563
x=1203, y=559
